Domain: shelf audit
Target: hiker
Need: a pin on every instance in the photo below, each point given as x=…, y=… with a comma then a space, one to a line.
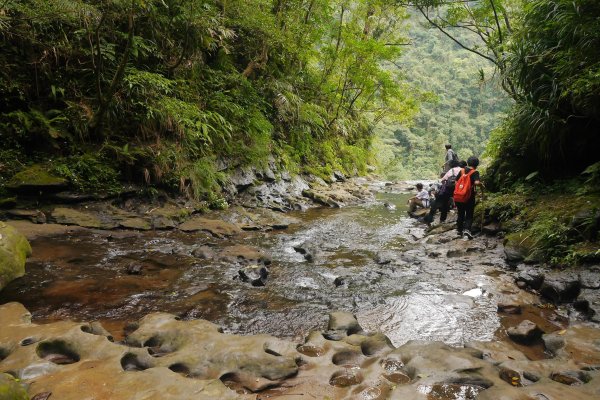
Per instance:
x=420, y=200
x=444, y=194
x=464, y=196
x=450, y=155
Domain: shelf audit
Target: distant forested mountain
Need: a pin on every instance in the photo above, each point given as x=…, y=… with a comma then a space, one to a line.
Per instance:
x=462, y=103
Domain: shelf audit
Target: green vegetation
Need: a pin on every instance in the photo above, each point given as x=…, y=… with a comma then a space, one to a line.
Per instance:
x=553, y=60
x=557, y=223
x=156, y=91
x=462, y=104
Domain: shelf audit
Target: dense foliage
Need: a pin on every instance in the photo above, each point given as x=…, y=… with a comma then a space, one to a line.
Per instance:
x=554, y=62
x=158, y=90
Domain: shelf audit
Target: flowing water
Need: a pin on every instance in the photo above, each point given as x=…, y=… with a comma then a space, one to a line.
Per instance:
x=393, y=278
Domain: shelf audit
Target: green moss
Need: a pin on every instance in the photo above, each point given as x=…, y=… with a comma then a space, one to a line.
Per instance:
x=35, y=176
x=14, y=250
x=8, y=202
x=11, y=389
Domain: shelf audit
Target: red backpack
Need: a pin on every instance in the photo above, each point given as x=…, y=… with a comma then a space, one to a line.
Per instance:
x=462, y=190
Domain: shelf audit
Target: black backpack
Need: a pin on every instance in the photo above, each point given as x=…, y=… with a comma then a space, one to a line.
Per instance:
x=449, y=185
x=454, y=156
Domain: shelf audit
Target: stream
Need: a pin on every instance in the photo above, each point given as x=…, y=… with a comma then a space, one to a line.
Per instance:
x=394, y=278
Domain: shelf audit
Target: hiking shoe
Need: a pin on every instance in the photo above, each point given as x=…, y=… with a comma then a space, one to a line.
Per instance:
x=468, y=235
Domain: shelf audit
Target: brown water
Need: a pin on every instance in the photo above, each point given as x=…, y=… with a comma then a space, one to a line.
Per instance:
x=419, y=294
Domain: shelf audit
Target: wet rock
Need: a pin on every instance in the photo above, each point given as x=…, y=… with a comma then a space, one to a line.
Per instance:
x=436, y=253
x=346, y=377
x=203, y=253
x=526, y=332
x=441, y=228
x=321, y=198
x=334, y=335
x=384, y=257
x=343, y=321
x=266, y=174
x=10, y=389
x=553, y=342
x=134, y=269
x=35, y=180
x=35, y=216
x=8, y=202
x=135, y=223
x=517, y=379
x=14, y=250
x=42, y=396
x=168, y=215
x=532, y=276
x=309, y=252
x=588, y=303
x=242, y=178
x=246, y=254
x=215, y=227
x=86, y=219
x=72, y=197
x=376, y=344
x=570, y=377
x=258, y=219
x=491, y=228
x=560, y=289
x=518, y=247
x=590, y=277
x=451, y=253
x=254, y=274
x=160, y=222
x=57, y=352
x=107, y=370
x=509, y=307
x=496, y=352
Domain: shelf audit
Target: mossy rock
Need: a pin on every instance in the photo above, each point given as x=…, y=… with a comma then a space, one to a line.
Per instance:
x=14, y=250
x=520, y=246
x=11, y=389
x=8, y=202
x=70, y=216
x=36, y=178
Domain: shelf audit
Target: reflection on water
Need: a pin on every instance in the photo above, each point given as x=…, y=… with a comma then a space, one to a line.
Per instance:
x=385, y=274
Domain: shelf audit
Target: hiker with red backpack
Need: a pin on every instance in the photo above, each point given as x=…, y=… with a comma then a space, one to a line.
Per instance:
x=464, y=196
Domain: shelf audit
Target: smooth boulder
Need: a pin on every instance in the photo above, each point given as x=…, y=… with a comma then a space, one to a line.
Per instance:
x=14, y=250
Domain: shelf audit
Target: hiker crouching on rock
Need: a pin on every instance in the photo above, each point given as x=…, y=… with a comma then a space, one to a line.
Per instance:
x=464, y=196
x=420, y=200
x=444, y=194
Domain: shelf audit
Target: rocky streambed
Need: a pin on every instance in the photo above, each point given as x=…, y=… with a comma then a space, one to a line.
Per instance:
x=353, y=302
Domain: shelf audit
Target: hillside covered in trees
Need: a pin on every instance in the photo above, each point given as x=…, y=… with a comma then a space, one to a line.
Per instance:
x=156, y=92
x=462, y=103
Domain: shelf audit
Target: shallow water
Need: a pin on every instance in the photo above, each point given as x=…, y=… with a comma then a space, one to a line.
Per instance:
x=418, y=293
